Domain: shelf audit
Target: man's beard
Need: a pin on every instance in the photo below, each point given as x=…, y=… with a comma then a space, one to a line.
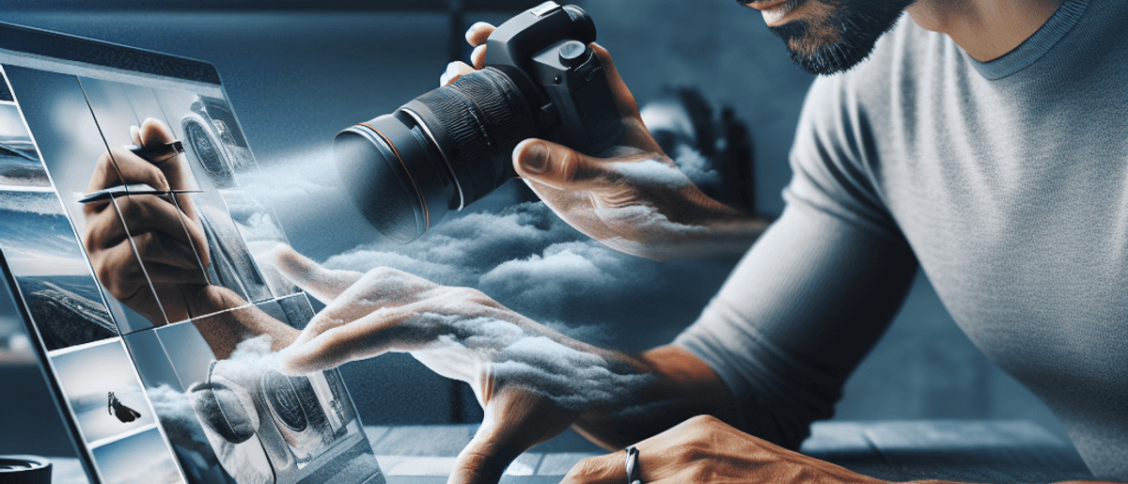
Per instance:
x=842, y=40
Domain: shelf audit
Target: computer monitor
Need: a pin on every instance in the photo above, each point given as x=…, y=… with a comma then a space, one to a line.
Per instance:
x=143, y=271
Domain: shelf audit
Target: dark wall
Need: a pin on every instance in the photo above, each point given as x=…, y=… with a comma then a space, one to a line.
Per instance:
x=296, y=78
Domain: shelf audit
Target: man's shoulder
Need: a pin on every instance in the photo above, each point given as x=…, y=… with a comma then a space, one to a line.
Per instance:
x=899, y=60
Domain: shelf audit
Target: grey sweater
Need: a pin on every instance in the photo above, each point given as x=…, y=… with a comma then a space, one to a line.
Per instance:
x=1007, y=182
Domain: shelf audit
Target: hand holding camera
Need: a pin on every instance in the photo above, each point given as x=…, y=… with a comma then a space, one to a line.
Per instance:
x=546, y=104
x=630, y=197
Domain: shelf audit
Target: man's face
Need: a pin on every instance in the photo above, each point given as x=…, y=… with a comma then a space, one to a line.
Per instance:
x=829, y=36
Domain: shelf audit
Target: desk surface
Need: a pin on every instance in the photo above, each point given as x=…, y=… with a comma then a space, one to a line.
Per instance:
x=994, y=451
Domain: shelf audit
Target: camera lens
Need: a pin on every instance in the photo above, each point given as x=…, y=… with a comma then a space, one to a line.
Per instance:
x=439, y=152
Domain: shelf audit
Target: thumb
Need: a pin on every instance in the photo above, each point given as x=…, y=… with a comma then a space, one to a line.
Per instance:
x=479, y=463
x=558, y=166
x=324, y=284
x=516, y=420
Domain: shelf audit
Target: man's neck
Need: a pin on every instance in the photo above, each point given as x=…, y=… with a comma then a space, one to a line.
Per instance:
x=985, y=29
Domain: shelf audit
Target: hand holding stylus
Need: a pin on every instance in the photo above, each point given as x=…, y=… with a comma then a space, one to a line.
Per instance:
x=167, y=236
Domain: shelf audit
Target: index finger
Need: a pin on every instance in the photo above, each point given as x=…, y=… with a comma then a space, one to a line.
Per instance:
x=628, y=107
x=324, y=284
x=370, y=336
x=121, y=167
x=479, y=33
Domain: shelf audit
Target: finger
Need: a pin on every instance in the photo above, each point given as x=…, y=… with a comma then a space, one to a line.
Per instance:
x=628, y=107
x=324, y=284
x=154, y=132
x=168, y=261
x=559, y=166
x=120, y=272
x=381, y=288
x=479, y=33
x=454, y=71
x=478, y=57
x=107, y=228
x=122, y=167
x=175, y=169
x=482, y=461
x=601, y=469
x=373, y=335
x=147, y=213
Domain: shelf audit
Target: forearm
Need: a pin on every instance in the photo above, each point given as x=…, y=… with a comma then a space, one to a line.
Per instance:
x=682, y=387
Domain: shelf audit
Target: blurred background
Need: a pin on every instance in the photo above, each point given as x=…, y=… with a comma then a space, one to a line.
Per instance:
x=302, y=70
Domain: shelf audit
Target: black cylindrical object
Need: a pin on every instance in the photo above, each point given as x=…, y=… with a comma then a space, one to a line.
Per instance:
x=451, y=146
x=24, y=469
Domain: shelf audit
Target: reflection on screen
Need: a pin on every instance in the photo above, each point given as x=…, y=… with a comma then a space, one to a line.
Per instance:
x=146, y=270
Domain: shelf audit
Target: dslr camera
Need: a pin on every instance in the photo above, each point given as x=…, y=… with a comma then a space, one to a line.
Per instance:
x=452, y=146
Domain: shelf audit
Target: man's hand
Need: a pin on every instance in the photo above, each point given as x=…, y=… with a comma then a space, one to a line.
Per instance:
x=706, y=450
x=531, y=381
x=168, y=236
x=632, y=198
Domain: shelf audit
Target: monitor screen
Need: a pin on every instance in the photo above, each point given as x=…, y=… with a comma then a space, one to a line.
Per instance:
x=144, y=273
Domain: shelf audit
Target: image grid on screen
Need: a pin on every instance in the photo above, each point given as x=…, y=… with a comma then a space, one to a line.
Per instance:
x=143, y=402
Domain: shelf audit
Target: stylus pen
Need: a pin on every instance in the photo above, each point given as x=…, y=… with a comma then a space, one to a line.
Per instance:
x=158, y=154
x=129, y=190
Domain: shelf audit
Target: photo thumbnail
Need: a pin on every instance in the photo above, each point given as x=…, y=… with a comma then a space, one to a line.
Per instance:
x=20, y=165
x=47, y=261
x=138, y=459
x=103, y=390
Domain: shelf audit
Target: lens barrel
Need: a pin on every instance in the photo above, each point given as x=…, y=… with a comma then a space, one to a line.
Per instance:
x=437, y=153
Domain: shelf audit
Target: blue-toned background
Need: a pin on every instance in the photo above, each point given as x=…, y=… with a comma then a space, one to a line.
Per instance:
x=296, y=77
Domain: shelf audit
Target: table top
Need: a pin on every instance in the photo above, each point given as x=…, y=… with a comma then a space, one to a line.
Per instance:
x=968, y=451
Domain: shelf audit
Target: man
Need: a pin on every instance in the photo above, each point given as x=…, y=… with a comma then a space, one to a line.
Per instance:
x=983, y=140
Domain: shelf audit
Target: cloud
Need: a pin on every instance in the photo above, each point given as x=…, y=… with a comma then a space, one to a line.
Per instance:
x=514, y=355
x=531, y=261
x=696, y=166
x=652, y=172
x=521, y=254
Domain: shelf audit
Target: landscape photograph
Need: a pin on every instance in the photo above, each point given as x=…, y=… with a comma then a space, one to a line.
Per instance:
x=50, y=268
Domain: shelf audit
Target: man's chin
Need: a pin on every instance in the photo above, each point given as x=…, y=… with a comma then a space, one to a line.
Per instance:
x=825, y=46
x=823, y=51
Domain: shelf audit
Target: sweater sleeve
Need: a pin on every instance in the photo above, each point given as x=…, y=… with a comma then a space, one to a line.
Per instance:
x=816, y=292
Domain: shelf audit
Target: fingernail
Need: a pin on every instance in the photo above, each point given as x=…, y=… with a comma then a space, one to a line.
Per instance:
x=478, y=26
x=134, y=132
x=535, y=159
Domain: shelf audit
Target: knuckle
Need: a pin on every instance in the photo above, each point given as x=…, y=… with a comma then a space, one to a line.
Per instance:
x=568, y=166
x=584, y=468
x=131, y=209
x=703, y=421
x=146, y=244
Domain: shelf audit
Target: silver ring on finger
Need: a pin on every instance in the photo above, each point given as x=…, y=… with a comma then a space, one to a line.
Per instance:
x=633, y=471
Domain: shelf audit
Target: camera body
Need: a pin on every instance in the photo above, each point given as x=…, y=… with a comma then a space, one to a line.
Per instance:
x=449, y=147
x=550, y=45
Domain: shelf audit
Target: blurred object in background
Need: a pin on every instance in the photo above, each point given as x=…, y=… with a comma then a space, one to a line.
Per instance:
x=15, y=346
x=716, y=153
